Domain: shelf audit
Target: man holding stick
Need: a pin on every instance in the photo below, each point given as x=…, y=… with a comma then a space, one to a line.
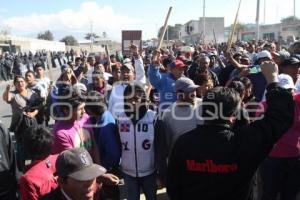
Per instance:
x=165, y=83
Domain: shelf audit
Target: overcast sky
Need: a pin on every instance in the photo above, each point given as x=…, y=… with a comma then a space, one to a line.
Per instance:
x=74, y=17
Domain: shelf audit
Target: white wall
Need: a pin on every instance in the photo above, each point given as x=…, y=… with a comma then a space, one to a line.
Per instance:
x=33, y=45
x=213, y=23
x=194, y=24
x=216, y=23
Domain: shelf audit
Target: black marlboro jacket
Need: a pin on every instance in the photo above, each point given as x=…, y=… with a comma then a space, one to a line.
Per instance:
x=213, y=162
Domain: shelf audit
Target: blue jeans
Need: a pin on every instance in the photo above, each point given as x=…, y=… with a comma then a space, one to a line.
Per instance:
x=134, y=184
x=280, y=176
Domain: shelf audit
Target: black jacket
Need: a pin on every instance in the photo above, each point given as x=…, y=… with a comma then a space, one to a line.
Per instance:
x=8, y=183
x=213, y=162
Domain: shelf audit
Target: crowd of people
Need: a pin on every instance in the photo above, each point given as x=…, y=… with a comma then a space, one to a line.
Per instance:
x=214, y=122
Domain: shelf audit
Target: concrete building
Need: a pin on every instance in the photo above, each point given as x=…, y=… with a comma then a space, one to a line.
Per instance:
x=24, y=44
x=192, y=31
x=99, y=46
x=280, y=32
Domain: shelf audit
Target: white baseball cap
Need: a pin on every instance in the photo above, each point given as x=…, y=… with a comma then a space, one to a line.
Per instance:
x=285, y=81
x=264, y=54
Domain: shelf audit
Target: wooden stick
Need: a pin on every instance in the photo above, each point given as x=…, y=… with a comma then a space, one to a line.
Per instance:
x=107, y=53
x=148, y=91
x=49, y=63
x=215, y=36
x=108, y=59
x=233, y=28
x=164, y=29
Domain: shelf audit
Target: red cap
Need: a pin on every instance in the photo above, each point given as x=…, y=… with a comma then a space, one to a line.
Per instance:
x=177, y=63
x=181, y=58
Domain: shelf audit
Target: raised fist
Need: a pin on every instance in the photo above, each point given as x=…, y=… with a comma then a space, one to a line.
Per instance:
x=8, y=87
x=156, y=60
x=270, y=71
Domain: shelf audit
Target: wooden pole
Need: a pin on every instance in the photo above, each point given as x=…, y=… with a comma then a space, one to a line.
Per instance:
x=233, y=28
x=164, y=29
x=108, y=59
x=215, y=36
x=49, y=63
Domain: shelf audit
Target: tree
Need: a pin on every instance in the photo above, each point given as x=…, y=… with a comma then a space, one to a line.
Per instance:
x=69, y=40
x=289, y=19
x=91, y=36
x=47, y=35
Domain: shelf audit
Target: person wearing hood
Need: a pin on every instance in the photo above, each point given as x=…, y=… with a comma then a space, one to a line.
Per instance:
x=137, y=132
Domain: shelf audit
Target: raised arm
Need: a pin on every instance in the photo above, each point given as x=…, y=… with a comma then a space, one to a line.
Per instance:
x=231, y=60
x=258, y=138
x=7, y=96
x=138, y=65
x=154, y=75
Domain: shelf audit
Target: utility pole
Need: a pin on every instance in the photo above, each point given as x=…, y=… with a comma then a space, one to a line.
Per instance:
x=265, y=11
x=257, y=20
x=92, y=36
x=203, y=21
x=294, y=10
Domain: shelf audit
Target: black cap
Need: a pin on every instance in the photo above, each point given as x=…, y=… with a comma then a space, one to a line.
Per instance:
x=293, y=60
x=77, y=164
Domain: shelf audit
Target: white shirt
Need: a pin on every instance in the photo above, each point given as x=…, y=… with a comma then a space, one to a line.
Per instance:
x=107, y=76
x=116, y=99
x=140, y=71
x=44, y=83
x=89, y=75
